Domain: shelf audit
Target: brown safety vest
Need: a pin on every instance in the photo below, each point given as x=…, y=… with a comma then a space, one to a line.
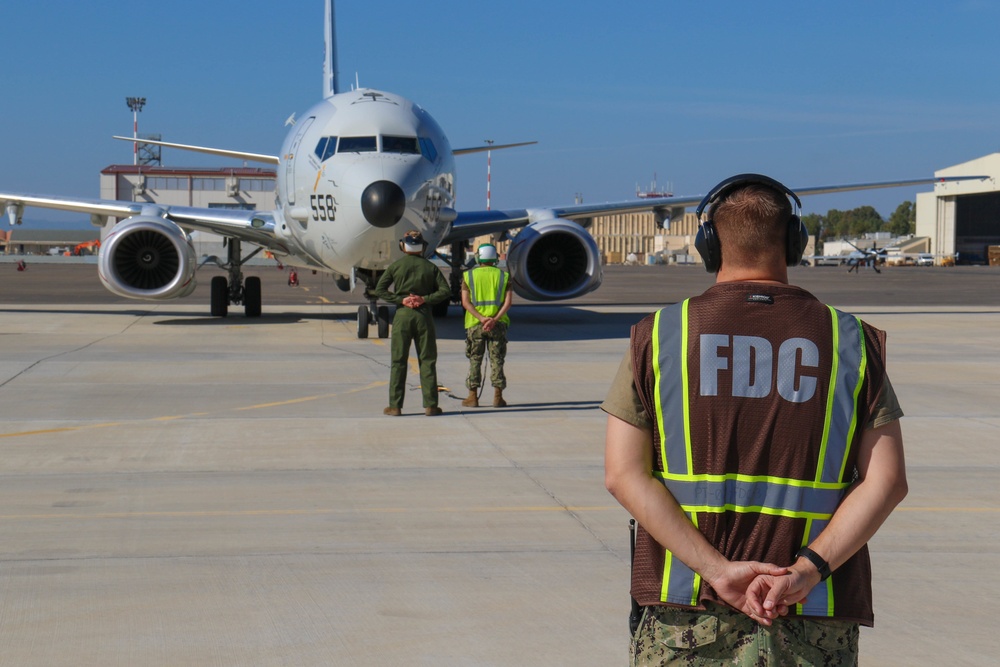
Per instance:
x=759, y=395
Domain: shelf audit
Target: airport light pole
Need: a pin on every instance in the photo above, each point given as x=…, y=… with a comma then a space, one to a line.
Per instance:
x=135, y=104
x=489, y=160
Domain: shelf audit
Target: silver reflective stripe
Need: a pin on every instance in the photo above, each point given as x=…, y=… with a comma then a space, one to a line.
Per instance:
x=847, y=377
x=819, y=602
x=768, y=496
x=669, y=356
x=680, y=584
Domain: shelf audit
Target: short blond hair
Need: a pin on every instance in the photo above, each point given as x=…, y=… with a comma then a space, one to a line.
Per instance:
x=752, y=225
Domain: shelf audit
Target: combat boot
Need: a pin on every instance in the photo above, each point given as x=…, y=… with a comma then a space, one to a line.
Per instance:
x=392, y=412
x=498, y=401
x=473, y=400
x=433, y=412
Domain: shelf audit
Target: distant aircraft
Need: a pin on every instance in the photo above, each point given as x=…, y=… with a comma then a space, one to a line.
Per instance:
x=357, y=171
x=873, y=257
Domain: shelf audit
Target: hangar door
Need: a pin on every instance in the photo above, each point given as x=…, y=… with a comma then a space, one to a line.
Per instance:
x=977, y=226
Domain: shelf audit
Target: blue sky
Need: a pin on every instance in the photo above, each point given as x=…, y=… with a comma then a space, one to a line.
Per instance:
x=809, y=93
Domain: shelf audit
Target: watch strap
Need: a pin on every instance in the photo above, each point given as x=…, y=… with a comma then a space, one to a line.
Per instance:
x=817, y=560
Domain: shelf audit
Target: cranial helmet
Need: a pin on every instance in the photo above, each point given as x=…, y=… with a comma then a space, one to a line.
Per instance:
x=486, y=254
x=412, y=241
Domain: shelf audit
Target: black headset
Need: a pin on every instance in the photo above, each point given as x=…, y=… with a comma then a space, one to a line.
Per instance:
x=707, y=240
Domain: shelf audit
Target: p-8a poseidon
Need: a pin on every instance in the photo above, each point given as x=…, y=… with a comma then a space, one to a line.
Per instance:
x=356, y=172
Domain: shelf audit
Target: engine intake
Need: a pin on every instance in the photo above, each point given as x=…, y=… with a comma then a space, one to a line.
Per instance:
x=554, y=259
x=148, y=258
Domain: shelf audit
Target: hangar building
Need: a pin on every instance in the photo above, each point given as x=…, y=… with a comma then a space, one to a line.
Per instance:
x=963, y=217
x=249, y=188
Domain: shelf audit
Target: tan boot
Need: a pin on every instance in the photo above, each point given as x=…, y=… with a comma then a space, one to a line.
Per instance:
x=498, y=401
x=433, y=412
x=473, y=400
x=392, y=412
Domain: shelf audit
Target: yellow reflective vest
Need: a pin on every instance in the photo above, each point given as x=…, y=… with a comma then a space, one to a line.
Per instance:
x=488, y=286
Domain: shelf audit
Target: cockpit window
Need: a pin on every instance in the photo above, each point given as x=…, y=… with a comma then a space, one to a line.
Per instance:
x=357, y=145
x=407, y=145
x=326, y=148
x=427, y=149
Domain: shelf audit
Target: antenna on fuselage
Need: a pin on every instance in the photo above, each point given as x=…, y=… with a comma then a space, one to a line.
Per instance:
x=331, y=75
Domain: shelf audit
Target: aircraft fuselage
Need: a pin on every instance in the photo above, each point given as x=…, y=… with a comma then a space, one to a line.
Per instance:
x=356, y=172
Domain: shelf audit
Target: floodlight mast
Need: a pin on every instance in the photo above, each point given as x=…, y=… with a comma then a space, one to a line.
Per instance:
x=489, y=161
x=135, y=104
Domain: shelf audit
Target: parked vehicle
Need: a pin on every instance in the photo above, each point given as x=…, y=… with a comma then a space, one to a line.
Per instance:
x=925, y=259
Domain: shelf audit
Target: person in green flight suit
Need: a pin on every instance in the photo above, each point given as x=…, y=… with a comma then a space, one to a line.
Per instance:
x=416, y=286
x=486, y=297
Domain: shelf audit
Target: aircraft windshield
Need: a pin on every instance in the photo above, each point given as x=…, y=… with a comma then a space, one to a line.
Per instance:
x=406, y=145
x=326, y=147
x=427, y=149
x=357, y=145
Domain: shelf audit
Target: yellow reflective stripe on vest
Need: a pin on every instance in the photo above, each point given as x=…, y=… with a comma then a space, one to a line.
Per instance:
x=812, y=499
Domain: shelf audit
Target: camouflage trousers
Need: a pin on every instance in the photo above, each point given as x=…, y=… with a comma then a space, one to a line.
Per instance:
x=477, y=344
x=723, y=636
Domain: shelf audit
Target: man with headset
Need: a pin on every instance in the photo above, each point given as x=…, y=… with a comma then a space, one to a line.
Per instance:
x=486, y=297
x=417, y=285
x=754, y=436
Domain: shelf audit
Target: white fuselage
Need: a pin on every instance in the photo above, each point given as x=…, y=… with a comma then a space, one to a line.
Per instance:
x=338, y=149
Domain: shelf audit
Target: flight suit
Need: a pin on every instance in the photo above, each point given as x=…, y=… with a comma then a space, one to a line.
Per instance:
x=408, y=275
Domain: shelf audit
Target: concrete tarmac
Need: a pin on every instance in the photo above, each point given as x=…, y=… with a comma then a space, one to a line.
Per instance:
x=182, y=490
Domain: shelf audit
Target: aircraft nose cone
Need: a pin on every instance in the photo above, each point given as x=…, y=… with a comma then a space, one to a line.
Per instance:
x=383, y=203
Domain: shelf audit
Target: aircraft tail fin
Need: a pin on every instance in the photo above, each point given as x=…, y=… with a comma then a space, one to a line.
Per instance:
x=331, y=77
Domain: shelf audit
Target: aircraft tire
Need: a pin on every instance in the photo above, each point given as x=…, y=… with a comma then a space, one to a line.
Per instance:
x=363, y=322
x=220, y=296
x=383, y=321
x=252, y=296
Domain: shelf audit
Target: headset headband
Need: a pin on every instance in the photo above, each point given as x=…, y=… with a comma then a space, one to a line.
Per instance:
x=733, y=183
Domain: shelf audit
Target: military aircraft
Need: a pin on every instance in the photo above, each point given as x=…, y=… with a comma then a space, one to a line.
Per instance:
x=873, y=257
x=357, y=171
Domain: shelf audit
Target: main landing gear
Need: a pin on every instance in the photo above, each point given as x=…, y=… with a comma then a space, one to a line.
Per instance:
x=372, y=313
x=235, y=289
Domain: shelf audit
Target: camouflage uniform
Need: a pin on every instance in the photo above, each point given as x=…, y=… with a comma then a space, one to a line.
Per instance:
x=477, y=344
x=486, y=287
x=723, y=636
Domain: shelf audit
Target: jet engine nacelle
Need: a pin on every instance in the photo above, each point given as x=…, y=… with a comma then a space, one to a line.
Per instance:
x=554, y=259
x=148, y=258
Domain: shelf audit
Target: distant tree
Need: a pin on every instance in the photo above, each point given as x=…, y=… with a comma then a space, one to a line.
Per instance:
x=853, y=223
x=813, y=223
x=903, y=220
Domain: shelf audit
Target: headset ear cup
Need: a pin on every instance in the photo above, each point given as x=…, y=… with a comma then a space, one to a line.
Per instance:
x=798, y=239
x=706, y=242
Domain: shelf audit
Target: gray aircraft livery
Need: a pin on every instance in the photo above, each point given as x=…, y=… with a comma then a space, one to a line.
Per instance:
x=355, y=173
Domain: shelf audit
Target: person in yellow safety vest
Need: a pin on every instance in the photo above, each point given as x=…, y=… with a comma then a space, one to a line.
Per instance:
x=486, y=297
x=754, y=436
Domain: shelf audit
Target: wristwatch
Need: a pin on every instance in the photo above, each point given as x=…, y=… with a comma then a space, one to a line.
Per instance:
x=815, y=559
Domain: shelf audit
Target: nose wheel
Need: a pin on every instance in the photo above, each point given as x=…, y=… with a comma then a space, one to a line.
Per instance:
x=368, y=315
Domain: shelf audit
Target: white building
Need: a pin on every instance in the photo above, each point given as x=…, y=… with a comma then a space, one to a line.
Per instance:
x=248, y=188
x=963, y=217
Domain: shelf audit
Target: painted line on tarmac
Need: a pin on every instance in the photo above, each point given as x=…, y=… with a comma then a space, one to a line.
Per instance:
x=259, y=406
x=379, y=510
x=307, y=512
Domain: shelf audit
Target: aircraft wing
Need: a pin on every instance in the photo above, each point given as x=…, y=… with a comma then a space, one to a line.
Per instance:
x=253, y=226
x=224, y=152
x=470, y=224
